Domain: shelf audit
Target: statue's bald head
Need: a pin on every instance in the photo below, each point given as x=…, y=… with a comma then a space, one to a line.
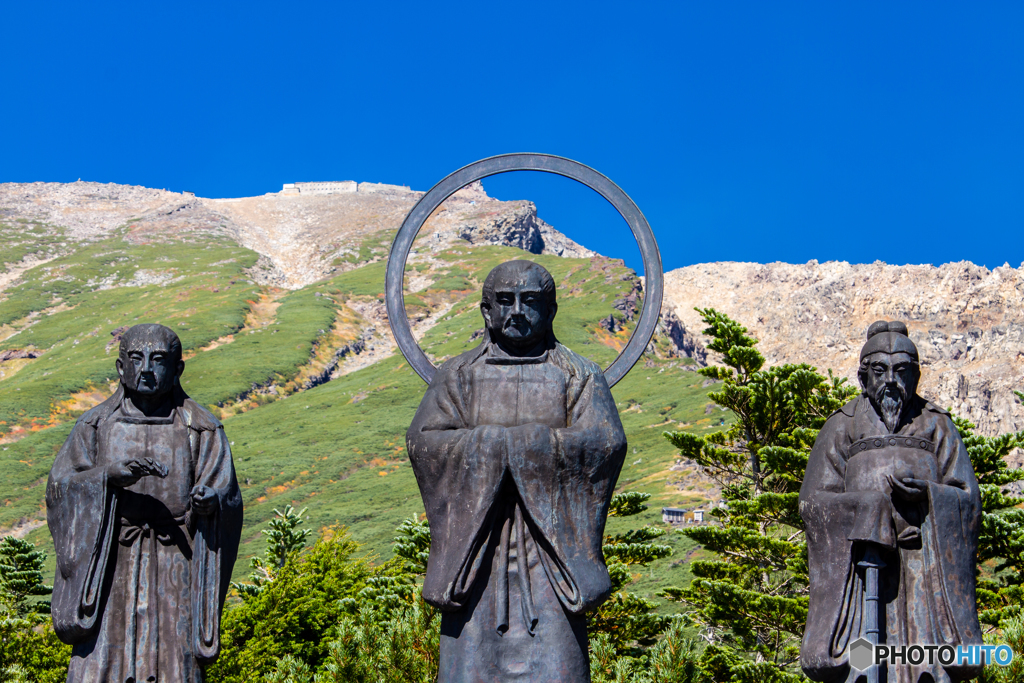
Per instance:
x=149, y=359
x=151, y=334
x=512, y=272
x=518, y=304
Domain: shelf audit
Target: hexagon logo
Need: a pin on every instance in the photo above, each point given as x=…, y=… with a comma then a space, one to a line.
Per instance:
x=862, y=654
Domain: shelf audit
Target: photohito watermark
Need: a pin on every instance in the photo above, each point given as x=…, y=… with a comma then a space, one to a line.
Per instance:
x=863, y=654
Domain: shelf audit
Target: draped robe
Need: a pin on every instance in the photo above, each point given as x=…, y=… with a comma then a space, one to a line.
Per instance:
x=516, y=460
x=927, y=586
x=141, y=578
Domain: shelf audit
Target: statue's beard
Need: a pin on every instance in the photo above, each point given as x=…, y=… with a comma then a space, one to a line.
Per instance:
x=889, y=401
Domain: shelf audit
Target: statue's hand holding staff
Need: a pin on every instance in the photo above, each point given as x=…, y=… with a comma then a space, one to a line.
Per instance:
x=127, y=472
x=204, y=499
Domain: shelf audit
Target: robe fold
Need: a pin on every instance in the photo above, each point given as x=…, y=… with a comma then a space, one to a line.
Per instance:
x=927, y=586
x=141, y=579
x=516, y=460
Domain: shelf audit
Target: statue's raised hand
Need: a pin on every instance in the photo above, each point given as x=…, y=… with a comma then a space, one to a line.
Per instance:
x=127, y=472
x=204, y=499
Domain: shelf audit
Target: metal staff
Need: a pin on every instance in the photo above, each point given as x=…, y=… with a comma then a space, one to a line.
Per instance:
x=871, y=562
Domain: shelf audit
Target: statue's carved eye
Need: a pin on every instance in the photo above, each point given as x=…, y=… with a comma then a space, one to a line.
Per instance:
x=505, y=298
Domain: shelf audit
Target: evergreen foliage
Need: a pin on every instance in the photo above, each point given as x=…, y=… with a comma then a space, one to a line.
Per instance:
x=1012, y=634
x=21, y=578
x=29, y=649
x=1001, y=543
x=675, y=658
x=413, y=544
x=295, y=614
x=629, y=621
x=284, y=539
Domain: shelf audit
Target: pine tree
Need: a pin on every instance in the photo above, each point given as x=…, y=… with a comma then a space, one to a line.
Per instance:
x=629, y=621
x=297, y=613
x=29, y=649
x=21, y=578
x=386, y=632
x=1001, y=543
x=284, y=540
x=413, y=544
x=752, y=599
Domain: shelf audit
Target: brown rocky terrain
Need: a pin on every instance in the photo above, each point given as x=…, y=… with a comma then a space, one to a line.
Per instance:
x=967, y=322
x=303, y=238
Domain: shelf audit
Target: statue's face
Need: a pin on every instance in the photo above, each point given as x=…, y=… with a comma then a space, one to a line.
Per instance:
x=518, y=314
x=889, y=380
x=150, y=367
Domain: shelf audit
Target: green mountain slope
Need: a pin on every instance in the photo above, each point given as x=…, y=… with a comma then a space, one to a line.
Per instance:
x=309, y=426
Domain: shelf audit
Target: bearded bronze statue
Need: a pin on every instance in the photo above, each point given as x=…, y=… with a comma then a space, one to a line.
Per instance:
x=892, y=512
x=516, y=448
x=146, y=516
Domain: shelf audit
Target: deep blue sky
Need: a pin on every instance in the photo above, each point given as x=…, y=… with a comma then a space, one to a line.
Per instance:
x=744, y=131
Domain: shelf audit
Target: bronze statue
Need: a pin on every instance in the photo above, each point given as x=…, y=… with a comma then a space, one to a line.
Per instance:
x=146, y=516
x=516, y=448
x=892, y=512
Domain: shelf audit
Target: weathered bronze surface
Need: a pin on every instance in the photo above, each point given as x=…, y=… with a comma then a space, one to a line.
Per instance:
x=146, y=516
x=516, y=448
x=889, y=496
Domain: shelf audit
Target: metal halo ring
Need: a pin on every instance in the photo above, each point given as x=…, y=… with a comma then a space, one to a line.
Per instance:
x=428, y=203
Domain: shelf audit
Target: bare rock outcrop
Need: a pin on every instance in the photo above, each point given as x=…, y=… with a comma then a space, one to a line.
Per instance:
x=967, y=322
x=88, y=210
x=685, y=343
x=302, y=238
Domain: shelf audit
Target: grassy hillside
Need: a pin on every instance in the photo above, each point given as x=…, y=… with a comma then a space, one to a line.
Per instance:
x=336, y=448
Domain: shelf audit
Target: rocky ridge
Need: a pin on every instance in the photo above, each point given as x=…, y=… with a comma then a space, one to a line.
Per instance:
x=302, y=238
x=966, y=320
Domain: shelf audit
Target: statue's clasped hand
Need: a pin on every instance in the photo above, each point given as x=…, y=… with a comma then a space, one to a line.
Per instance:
x=908, y=488
x=204, y=499
x=127, y=472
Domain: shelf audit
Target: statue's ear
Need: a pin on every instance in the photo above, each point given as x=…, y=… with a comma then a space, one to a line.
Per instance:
x=862, y=376
x=485, y=310
x=915, y=374
x=179, y=369
x=120, y=367
x=552, y=312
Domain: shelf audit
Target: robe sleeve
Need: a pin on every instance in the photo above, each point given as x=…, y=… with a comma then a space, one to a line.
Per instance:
x=460, y=471
x=217, y=535
x=954, y=506
x=566, y=478
x=833, y=520
x=81, y=512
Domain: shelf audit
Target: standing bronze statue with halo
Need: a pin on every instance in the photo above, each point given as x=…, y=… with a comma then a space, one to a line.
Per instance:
x=516, y=448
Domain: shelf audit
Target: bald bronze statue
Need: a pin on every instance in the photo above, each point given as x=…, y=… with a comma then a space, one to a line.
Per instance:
x=516, y=448
x=146, y=516
x=892, y=512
